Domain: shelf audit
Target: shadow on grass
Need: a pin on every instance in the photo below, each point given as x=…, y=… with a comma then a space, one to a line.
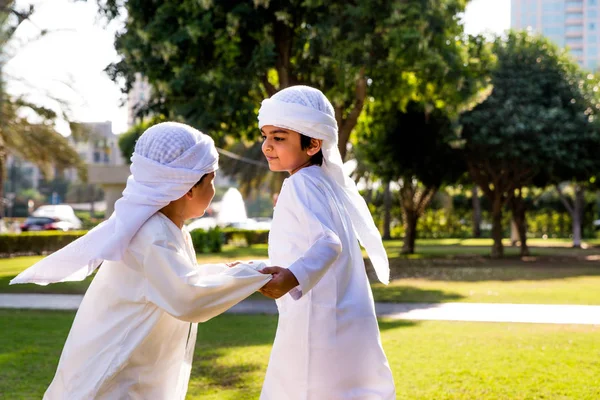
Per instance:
x=215, y=364
x=412, y=294
x=387, y=324
x=473, y=268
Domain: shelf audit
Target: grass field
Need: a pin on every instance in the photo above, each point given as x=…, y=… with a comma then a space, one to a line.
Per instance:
x=429, y=360
x=444, y=270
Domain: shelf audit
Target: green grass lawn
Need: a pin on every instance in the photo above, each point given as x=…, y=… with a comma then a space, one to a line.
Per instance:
x=430, y=360
x=444, y=270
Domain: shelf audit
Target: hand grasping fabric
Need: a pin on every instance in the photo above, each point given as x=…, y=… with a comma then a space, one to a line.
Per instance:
x=283, y=281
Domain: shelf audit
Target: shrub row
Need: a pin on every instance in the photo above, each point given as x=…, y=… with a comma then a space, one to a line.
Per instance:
x=36, y=243
x=39, y=243
x=243, y=237
x=210, y=241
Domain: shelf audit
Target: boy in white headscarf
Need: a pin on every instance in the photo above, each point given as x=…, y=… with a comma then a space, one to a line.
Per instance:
x=135, y=331
x=327, y=344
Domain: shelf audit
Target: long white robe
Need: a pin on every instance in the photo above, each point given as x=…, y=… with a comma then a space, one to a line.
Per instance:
x=327, y=345
x=135, y=331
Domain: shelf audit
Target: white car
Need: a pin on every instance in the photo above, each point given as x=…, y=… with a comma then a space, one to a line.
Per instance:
x=67, y=220
x=204, y=223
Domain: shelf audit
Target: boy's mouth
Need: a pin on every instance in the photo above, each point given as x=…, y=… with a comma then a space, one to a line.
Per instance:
x=270, y=158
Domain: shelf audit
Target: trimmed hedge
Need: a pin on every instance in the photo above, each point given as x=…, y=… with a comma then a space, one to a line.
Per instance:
x=38, y=243
x=244, y=237
x=210, y=241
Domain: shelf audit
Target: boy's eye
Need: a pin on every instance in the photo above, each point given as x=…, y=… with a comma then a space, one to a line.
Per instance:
x=278, y=139
x=263, y=137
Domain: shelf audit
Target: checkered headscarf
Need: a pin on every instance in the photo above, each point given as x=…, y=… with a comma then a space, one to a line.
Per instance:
x=169, y=159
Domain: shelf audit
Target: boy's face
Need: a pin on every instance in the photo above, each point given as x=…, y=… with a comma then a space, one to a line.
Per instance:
x=202, y=195
x=282, y=149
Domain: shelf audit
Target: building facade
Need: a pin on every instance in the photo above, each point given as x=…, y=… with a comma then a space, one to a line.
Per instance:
x=99, y=147
x=568, y=23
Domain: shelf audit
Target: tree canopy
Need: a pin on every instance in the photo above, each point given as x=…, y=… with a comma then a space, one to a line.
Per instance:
x=540, y=120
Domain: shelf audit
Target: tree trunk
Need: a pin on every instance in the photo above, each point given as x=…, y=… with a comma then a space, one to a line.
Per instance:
x=2, y=165
x=476, y=212
x=575, y=210
x=497, y=248
x=410, y=231
x=517, y=206
x=578, y=206
x=414, y=199
x=387, y=205
x=2, y=147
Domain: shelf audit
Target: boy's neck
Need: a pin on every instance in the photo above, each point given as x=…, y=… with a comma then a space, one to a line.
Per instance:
x=305, y=165
x=174, y=213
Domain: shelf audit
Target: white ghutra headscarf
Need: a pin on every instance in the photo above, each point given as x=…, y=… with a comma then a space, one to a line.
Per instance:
x=169, y=159
x=307, y=111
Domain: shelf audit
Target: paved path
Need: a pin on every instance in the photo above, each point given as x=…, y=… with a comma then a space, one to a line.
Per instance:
x=528, y=313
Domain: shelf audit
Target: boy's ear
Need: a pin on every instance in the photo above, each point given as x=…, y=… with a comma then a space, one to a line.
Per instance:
x=315, y=146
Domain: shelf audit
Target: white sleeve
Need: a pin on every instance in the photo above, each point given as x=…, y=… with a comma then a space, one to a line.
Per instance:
x=195, y=293
x=316, y=222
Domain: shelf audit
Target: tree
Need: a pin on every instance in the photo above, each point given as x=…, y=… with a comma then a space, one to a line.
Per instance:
x=414, y=148
x=211, y=63
x=539, y=119
x=34, y=139
x=409, y=135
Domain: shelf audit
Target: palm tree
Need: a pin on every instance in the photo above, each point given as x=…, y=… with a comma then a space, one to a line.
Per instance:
x=37, y=142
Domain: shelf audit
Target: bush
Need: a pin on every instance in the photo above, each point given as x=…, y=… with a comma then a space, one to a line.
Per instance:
x=29, y=243
x=87, y=222
x=210, y=241
x=244, y=237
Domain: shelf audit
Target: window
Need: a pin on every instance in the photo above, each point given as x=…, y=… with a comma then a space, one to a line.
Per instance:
x=577, y=52
x=555, y=6
x=574, y=41
x=552, y=30
x=553, y=19
x=592, y=14
x=574, y=16
x=573, y=29
x=96, y=156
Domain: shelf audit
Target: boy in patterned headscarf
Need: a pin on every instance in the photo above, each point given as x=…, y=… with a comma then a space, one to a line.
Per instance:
x=135, y=331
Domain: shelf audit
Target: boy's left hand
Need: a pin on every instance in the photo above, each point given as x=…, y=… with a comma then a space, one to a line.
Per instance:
x=283, y=281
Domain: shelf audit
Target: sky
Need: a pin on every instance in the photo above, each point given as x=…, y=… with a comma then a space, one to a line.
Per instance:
x=68, y=63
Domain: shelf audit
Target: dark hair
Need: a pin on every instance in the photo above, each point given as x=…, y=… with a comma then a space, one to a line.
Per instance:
x=316, y=159
x=200, y=181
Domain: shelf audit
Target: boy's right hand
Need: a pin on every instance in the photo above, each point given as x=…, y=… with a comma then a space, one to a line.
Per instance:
x=283, y=281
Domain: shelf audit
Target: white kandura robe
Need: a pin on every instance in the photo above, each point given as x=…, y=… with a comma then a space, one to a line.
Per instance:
x=135, y=331
x=327, y=345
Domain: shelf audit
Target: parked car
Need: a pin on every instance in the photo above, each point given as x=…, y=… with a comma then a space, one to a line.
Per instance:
x=63, y=214
x=45, y=224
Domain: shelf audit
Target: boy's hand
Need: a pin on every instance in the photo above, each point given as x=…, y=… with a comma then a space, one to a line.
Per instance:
x=283, y=281
x=233, y=264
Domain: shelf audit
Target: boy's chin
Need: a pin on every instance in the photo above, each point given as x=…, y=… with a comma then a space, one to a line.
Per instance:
x=276, y=169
